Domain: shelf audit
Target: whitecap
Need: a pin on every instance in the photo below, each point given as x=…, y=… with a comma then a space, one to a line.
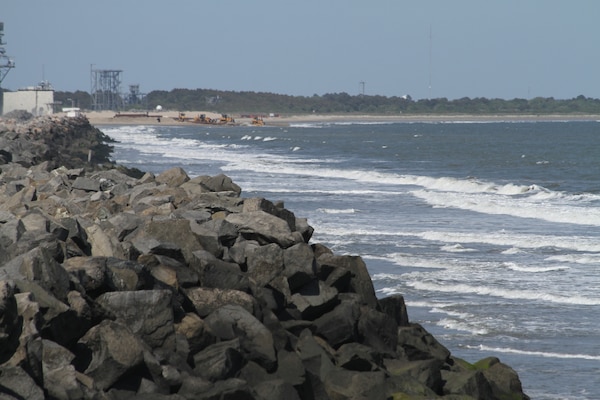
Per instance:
x=535, y=353
x=336, y=211
x=513, y=294
x=456, y=248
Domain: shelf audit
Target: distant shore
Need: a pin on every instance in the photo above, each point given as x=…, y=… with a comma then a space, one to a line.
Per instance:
x=171, y=118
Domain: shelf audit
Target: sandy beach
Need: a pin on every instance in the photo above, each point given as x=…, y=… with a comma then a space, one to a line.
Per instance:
x=172, y=118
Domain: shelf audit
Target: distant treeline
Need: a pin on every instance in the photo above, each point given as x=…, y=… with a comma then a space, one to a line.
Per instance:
x=335, y=103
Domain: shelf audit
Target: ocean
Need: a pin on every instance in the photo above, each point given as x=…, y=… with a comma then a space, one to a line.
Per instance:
x=490, y=230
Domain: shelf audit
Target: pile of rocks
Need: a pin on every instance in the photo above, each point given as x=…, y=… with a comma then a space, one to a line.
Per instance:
x=66, y=142
x=114, y=287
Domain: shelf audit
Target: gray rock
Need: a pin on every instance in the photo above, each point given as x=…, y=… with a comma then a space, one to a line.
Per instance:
x=17, y=384
x=217, y=183
x=378, y=330
x=123, y=224
x=358, y=357
x=395, y=307
x=233, y=321
x=219, y=361
x=217, y=273
x=10, y=323
x=264, y=263
x=206, y=300
x=418, y=344
x=360, y=282
x=114, y=351
x=38, y=266
x=275, y=390
x=260, y=204
x=263, y=227
x=87, y=184
x=197, y=334
x=173, y=177
x=299, y=265
x=315, y=299
x=148, y=313
x=339, y=325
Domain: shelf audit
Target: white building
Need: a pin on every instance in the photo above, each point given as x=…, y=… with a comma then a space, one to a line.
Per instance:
x=38, y=100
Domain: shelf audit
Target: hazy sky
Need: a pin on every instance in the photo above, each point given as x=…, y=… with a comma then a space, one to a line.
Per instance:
x=464, y=48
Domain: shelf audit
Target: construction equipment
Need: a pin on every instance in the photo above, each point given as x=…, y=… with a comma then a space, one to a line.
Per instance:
x=225, y=119
x=258, y=121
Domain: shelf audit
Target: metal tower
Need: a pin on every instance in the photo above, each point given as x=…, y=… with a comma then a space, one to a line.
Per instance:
x=106, y=89
x=6, y=64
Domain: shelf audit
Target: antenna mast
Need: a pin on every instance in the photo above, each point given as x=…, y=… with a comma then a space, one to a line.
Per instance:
x=6, y=63
x=430, y=61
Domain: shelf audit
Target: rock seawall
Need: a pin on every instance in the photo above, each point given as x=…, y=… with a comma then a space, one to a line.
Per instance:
x=121, y=287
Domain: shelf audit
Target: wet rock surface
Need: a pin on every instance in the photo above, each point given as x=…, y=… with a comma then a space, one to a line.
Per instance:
x=116, y=285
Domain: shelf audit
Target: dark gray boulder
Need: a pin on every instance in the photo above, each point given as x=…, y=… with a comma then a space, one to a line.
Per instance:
x=264, y=228
x=10, y=323
x=109, y=351
x=360, y=281
x=264, y=263
x=15, y=383
x=256, y=341
x=147, y=313
x=219, y=361
x=206, y=300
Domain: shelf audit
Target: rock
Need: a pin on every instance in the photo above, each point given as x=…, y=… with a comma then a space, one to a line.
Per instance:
x=219, y=361
x=275, y=390
x=424, y=372
x=358, y=357
x=339, y=325
x=10, y=323
x=173, y=177
x=377, y=330
x=260, y=204
x=344, y=384
x=263, y=227
x=418, y=344
x=17, y=384
x=217, y=273
x=299, y=265
x=87, y=184
x=394, y=307
x=53, y=318
x=503, y=380
x=218, y=183
x=109, y=351
x=147, y=313
x=360, y=281
x=264, y=263
x=256, y=342
x=207, y=300
x=197, y=334
x=38, y=266
x=315, y=299
x=61, y=380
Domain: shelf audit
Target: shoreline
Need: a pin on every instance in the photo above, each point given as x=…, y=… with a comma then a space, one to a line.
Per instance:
x=169, y=118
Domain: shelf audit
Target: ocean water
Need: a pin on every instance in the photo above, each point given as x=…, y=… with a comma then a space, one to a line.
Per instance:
x=491, y=231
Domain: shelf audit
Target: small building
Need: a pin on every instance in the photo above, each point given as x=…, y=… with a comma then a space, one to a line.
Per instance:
x=72, y=112
x=38, y=100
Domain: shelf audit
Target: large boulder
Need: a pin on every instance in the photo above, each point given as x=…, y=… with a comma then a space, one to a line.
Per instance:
x=108, y=352
x=256, y=341
x=148, y=313
x=264, y=228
